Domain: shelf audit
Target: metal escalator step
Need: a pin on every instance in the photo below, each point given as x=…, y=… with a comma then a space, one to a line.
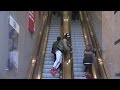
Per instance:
x=53, y=38
x=78, y=38
x=78, y=58
x=77, y=41
x=49, y=62
x=78, y=65
x=48, y=70
x=50, y=55
x=78, y=61
x=78, y=69
x=50, y=78
x=78, y=74
x=78, y=55
x=48, y=66
x=75, y=48
x=78, y=45
x=48, y=59
x=79, y=48
x=79, y=77
x=78, y=51
x=54, y=32
x=49, y=75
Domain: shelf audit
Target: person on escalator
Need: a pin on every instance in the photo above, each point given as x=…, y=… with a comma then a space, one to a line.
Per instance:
x=57, y=50
x=88, y=60
x=65, y=41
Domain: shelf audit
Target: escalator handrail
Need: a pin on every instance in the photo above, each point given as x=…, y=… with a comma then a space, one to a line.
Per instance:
x=86, y=37
x=44, y=44
x=99, y=56
x=36, y=50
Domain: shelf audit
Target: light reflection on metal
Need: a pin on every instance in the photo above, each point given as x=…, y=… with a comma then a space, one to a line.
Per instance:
x=69, y=61
x=95, y=77
x=38, y=76
x=33, y=61
x=65, y=19
x=85, y=36
x=100, y=61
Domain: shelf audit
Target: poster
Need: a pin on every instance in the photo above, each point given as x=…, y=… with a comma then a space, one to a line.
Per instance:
x=13, y=44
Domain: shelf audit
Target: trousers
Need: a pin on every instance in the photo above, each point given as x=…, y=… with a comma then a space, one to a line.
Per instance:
x=58, y=60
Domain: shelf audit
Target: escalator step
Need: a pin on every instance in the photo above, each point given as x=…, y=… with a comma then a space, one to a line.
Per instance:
x=49, y=75
x=78, y=74
x=79, y=77
x=78, y=69
x=49, y=62
x=78, y=65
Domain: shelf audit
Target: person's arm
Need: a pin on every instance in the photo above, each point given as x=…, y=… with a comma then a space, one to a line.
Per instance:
x=65, y=44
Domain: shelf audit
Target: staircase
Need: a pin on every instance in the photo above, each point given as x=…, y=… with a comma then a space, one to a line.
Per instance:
x=78, y=46
x=54, y=32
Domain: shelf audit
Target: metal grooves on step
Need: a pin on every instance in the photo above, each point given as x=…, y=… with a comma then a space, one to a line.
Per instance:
x=78, y=46
x=54, y=32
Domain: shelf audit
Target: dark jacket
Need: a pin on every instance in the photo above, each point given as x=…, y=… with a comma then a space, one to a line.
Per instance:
x=88, y=56
x=57, y=45
x=54, y=46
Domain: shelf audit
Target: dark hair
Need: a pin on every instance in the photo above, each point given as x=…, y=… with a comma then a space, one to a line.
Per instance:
x=58, y=38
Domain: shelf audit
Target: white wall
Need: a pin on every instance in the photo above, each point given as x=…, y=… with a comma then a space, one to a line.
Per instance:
x=26, y=43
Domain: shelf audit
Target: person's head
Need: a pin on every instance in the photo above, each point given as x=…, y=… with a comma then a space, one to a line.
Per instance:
x=66, y=35
x=58, y=38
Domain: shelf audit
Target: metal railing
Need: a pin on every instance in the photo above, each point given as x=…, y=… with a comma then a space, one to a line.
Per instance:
x=43, y=48
x=37, y=47
x=99, y=66
x=86, y=38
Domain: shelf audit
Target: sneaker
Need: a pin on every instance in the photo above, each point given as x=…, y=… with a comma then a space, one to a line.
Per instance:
x=53, y=71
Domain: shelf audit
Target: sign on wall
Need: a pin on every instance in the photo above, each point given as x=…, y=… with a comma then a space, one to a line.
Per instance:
x=13, y=44
x=31, y=21
x=13, y=23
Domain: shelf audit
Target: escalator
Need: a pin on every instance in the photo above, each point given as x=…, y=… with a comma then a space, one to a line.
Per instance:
x=78, y=46
x=54, y=32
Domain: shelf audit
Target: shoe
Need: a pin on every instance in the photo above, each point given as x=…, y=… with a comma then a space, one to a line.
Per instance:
x=84, y=74
x=54, y=71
